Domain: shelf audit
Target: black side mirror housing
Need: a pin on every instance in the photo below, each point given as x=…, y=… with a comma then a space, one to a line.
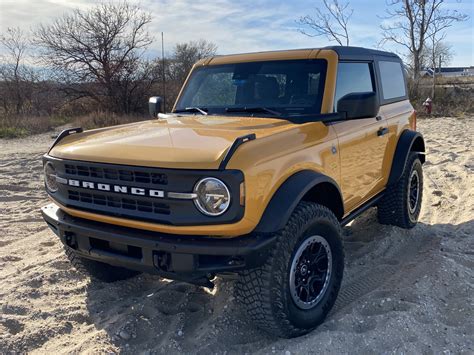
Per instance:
x=155, y=105
x=359, y=105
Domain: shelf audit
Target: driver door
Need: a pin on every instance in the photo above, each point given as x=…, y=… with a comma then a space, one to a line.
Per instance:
x=362, y=142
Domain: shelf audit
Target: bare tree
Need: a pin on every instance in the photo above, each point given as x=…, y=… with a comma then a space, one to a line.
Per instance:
x=332, y=22
x=15, y=75
x=410, y=23
x=180, y=63
x=433, y=52
x=186, y=54
x=99, y=53
x=439, y=54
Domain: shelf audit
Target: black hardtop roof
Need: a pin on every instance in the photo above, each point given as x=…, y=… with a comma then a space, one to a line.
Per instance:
x=359, y=53
x=343, y=52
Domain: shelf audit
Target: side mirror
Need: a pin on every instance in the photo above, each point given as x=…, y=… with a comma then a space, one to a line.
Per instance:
x=155, y=105
x=359, y=105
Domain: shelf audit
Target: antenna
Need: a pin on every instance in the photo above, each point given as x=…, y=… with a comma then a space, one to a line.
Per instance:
x=163, y=70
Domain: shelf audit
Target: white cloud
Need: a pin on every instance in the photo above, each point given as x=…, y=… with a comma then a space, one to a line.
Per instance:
x=235, y=26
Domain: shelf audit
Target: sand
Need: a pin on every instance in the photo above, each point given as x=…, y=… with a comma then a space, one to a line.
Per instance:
x=403, y=291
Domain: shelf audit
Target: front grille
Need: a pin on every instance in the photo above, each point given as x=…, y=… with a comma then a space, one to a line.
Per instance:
x=126, y=203
x=117, y=174
x=111, y=189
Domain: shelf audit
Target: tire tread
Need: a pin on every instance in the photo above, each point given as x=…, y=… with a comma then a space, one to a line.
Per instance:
x=266, y=304
x=392, y=209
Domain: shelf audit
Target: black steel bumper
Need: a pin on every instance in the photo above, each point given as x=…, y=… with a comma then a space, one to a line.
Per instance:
x=188, y=258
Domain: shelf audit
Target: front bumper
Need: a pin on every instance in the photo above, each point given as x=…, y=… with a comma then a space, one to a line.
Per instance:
x=187, y=258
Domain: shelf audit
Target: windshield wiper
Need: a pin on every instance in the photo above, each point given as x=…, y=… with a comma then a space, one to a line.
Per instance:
x=253, y=109
x=202, y=111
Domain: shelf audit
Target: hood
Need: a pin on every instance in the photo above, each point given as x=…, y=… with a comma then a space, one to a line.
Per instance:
x=186, y=141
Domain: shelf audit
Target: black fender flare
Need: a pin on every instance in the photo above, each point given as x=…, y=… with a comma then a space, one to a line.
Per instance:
x=287, y=197
x=409, y=141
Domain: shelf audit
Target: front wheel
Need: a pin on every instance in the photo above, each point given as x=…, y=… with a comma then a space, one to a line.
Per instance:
x=293, y=292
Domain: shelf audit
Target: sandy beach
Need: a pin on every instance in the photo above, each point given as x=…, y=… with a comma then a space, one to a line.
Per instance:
x=403, y=291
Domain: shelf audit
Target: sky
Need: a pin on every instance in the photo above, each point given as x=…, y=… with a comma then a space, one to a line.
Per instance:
x=238, y=26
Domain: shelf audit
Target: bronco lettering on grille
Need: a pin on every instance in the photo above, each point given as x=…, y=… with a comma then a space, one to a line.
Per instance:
x=123, y=189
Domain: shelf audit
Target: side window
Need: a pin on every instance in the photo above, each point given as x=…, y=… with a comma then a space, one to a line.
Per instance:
x=391, y=76
x=353, y=77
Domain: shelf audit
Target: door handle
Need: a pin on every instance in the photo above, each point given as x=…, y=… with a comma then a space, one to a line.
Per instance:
x=378, y=118
x=382, y=131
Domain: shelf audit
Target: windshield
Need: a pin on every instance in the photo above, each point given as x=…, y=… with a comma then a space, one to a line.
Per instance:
x=271, y=88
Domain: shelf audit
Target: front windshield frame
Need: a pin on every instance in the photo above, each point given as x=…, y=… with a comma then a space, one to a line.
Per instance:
x=306, y=67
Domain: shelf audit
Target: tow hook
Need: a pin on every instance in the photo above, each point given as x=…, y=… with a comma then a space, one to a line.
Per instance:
x=70, y=239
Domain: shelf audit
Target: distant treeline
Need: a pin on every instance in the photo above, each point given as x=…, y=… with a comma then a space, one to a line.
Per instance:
x=90, y=61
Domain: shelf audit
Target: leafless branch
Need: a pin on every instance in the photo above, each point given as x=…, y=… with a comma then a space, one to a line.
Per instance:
x=103, y=45
x=410, y=23
x=16, y=76
x=332, y=22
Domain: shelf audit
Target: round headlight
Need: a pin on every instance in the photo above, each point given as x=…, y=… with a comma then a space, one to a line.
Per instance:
x=50, y=177
x=213, y=197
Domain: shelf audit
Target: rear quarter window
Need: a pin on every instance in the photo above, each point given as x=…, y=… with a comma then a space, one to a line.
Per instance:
x=392, y=79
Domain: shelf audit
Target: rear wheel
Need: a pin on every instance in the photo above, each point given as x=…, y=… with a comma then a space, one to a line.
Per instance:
x=401, y=204
x=97, y=270
x=295, y=289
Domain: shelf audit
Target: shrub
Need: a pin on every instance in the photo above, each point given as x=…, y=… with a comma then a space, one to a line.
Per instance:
x=105, y=119
x=12, y=132
x=20, y=126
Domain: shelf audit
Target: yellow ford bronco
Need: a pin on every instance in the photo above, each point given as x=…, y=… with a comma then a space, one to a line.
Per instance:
x=252, y=174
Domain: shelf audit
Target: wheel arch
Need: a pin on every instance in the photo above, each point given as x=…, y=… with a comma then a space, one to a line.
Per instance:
x=409, y=141
x=304, y=185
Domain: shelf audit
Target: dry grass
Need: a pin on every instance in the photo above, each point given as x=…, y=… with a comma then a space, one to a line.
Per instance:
x=455, y=80
x=105, y=119
x=452, y=101
x=449, y=81
x=22, y=126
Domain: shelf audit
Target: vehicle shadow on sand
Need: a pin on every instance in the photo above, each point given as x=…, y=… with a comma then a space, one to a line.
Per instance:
x=148, y=313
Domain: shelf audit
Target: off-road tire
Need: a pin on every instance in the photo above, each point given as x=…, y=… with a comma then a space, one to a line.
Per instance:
x=394, y=208
x=97, y=270
x=265, y=291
